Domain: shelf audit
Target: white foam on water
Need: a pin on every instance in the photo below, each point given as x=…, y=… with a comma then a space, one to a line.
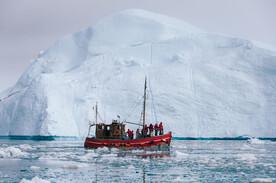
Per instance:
x=34, y=180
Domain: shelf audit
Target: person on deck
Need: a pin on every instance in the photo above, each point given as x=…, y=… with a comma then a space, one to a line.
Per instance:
x=160, y=129
x=156, y=128
x=151, y=130
x=137, y=133
x=129, y=133
x=132, y=133
x=146, y=130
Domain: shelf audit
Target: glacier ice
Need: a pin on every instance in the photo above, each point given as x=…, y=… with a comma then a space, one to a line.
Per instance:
x=200, y=84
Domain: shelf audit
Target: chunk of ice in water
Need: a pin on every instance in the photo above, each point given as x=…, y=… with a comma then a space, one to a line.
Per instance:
x=35, y=168
x=246, y=157
x=255, y=141
x=75, y=166
x=181, y=154
x=34, y=180
x=12, y=152
x=262, y=180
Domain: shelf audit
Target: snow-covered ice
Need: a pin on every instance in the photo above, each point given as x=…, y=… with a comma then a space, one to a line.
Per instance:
x=202, y=84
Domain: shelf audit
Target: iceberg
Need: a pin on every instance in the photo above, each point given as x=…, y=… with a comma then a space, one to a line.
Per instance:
x=201, y=84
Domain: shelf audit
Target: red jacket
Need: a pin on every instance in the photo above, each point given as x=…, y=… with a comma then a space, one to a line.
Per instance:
x=160, y=126
x=129, y=133
x=146, y=129
x=156, y=126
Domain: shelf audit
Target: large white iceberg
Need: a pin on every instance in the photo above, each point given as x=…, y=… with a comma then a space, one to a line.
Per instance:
x=200, y=84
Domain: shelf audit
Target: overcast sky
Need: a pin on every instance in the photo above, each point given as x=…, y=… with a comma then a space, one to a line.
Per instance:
x=30, y=26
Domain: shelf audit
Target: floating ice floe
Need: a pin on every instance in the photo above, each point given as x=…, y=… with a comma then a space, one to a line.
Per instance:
x=181, y=154
x=12, y=152
x=246, y=157
x=35, y=168
x=255, y=141
x=34, y=180
x=26, y=147
x=89, y=156
x=262, y=180
x=75, y=166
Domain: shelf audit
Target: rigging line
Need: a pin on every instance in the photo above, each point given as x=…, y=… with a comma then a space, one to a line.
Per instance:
x=153, y=104
x=133, y=123
x=100, y=117
x=134, y=107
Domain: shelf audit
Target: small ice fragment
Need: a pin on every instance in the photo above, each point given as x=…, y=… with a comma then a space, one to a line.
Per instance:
x=34, y=167
x=26, y=147
x=246, y=157
x=74, y=166
x=34, y=180
x=181, y=154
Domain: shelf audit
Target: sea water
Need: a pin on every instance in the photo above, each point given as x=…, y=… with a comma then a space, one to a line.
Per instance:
x=187, y=161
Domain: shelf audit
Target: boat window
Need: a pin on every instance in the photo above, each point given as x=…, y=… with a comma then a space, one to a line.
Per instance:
x=99, y=127
x=118, y=127
x=108, y=128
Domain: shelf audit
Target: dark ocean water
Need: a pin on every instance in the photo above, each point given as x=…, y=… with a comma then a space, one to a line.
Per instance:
x=187, y=161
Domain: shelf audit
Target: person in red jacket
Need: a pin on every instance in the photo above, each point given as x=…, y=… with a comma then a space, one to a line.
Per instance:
x=156, y=128
x=160, y=129
x=129, y=133
x=132, y=133
x=146, y=130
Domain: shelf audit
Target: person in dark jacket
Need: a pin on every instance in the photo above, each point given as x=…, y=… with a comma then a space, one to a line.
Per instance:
x=156, y=128
x=151, y=130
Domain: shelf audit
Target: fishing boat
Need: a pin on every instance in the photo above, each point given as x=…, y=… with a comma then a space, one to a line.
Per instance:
x=114, y=135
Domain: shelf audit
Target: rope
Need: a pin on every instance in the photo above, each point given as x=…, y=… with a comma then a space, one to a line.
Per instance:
x=153, y=104
x=133, y=107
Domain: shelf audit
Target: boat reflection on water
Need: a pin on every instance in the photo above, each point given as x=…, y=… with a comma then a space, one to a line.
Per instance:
x=151, y=154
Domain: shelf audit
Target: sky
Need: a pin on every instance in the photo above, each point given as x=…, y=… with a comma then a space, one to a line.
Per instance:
x=30, y=26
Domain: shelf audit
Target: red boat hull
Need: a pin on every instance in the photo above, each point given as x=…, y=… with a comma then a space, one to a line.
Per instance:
x=158, y=141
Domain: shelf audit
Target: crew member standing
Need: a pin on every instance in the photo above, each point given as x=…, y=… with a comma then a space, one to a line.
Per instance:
x=132, y=133
x=160, y=129
x=129, y=133
x=156, y=129
x=146, y=130
x=137, y=133
x=151, y=130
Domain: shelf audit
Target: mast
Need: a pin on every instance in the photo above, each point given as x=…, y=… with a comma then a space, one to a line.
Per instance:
x=96, y=116
x=144, y=108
